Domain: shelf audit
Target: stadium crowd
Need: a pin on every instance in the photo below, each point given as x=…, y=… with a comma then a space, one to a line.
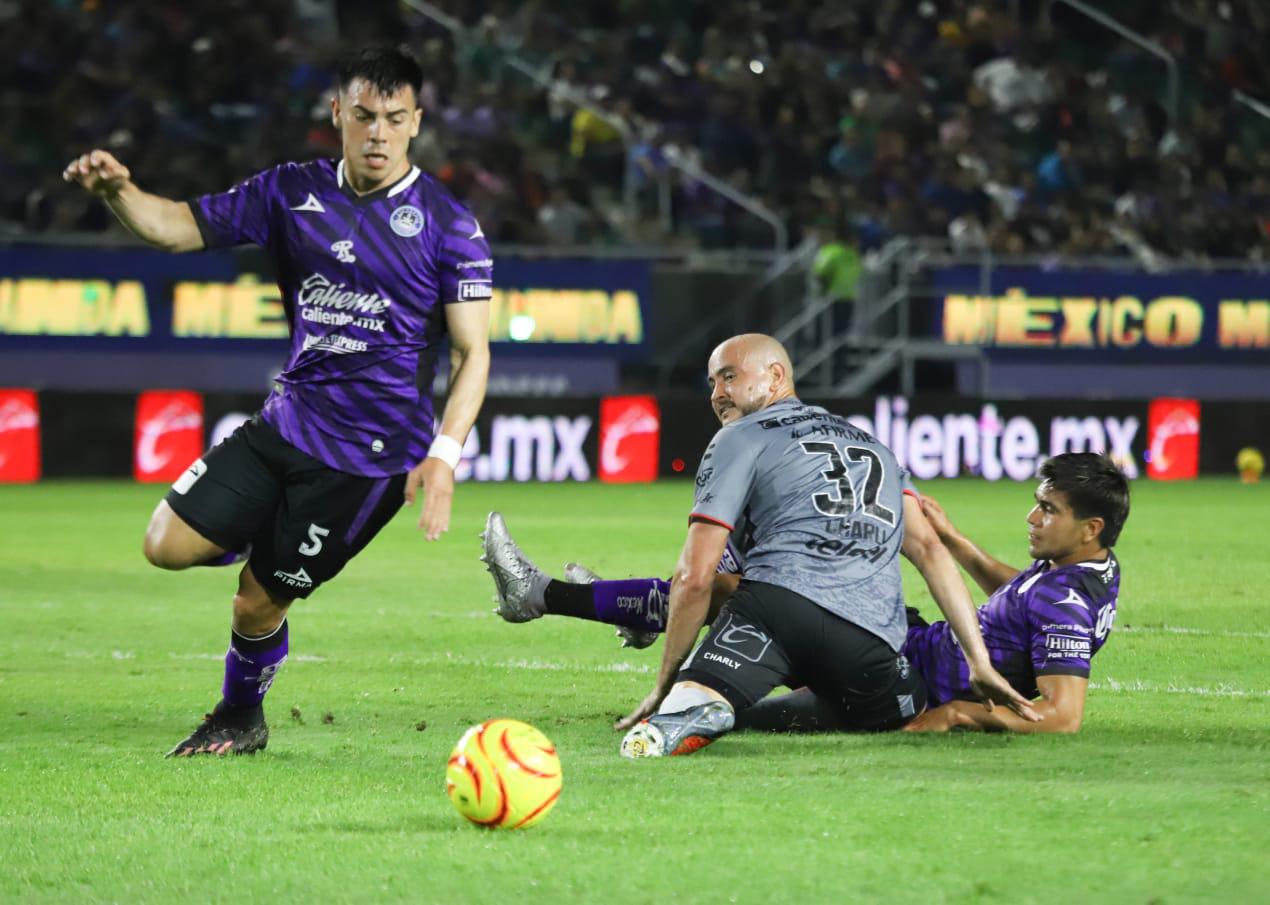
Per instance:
x=1001, y=123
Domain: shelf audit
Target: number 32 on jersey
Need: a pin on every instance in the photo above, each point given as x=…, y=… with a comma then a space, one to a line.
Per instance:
x=845, y=498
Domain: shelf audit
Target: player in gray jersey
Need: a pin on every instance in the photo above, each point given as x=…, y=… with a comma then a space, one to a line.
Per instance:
x=824, y=506
x=378, y=265
x=1042, y=625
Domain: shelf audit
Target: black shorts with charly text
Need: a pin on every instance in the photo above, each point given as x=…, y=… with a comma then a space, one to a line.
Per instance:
x=767, y=636
x=303, y=519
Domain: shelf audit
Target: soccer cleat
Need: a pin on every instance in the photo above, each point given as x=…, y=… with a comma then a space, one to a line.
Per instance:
x=576, y=573
x=519, y=583
x=224, y=731
x=672, y=734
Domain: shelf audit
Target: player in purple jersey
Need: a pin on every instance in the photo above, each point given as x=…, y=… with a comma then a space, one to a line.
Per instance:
x=378, y=265
x=1045, y=623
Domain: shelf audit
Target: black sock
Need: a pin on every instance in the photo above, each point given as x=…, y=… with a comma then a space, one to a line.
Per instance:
x=564, y=598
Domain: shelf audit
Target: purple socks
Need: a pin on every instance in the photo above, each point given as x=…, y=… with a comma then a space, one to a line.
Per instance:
x=638, y=603
x=251, y=664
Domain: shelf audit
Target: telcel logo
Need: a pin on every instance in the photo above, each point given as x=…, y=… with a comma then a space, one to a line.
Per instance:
x=19, y=436
x=1173, y=439
x=630, y=434
x=168, y=436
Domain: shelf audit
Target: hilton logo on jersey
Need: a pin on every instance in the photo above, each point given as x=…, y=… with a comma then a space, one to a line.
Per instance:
x=475, y=290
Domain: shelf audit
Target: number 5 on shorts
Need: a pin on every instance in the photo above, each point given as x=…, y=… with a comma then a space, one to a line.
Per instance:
x=314, y=546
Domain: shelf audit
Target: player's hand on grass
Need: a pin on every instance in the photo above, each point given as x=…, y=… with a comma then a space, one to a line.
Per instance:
x=937, y=517
x=992, y=688
x=940, y=719
x=646, y=708
x=437, y=480
x=99, y=172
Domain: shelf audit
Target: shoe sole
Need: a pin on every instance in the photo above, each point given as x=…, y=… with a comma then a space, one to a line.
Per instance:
x=689, y=744
x=221, y=750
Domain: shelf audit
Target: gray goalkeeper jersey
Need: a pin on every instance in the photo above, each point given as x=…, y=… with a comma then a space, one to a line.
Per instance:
x=815, y=506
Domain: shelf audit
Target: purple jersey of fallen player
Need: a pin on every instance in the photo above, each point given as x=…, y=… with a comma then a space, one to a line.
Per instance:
x=365, y=281
x=1043, y=622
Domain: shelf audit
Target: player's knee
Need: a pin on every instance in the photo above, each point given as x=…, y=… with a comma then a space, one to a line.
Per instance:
x=161, y=552
x=168, y=547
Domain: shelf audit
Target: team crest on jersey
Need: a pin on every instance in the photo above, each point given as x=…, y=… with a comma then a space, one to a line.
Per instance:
x=407, y=221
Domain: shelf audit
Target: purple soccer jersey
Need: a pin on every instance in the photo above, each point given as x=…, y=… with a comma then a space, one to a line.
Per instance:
x=1042, y=622
x=365, y=281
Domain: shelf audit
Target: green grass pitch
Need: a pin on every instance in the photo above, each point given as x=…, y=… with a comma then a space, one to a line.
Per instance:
x=106, y=662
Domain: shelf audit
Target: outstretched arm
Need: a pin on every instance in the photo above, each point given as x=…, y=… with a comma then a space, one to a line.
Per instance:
x=923, y=549
x=987, y=572
x=164, y=223
x=690, y=589
x=1062, y=704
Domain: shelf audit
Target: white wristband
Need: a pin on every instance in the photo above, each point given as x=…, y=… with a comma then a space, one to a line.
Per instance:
x=447, y=449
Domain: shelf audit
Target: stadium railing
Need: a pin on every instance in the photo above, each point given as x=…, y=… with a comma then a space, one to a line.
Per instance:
x=762, y=308
x=1151, y=47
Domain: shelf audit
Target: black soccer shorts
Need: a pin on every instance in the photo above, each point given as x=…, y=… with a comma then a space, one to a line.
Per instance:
x=766, y=636
x=303, y=519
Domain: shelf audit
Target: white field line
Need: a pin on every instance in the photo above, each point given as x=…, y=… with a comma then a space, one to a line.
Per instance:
x=1183, y=630
x=129, y=655
x=1139, y=686
x=446, y=658
x=291, y=658
x=534, y=664
x=1110, y=683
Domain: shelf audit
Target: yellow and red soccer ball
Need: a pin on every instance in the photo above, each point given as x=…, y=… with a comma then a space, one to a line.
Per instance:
x=1251, y=464
x=503, y=774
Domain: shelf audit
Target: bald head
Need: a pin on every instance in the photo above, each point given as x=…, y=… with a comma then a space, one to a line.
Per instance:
x=747, y=373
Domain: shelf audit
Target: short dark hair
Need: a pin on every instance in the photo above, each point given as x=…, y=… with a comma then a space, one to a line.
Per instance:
x=1095, y=486
x=388, y=69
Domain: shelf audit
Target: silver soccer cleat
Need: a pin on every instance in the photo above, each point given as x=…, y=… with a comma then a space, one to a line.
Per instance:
x=576, y=573
x=519, y=583
x=671, y=734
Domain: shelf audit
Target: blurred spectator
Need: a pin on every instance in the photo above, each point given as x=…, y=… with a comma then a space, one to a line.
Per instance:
x=837, y=265
x=981, y=121
x=563, y=220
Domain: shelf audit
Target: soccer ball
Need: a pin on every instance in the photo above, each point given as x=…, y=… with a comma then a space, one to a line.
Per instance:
x=504, y=774
x=1251, y=464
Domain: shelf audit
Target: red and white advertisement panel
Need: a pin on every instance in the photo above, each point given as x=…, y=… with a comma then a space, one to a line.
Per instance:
x=19, y=437
x=630, y=437
x=1173, y=439
x=168, y=434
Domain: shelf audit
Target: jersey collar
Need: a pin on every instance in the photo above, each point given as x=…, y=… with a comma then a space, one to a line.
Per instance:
x=386, y=192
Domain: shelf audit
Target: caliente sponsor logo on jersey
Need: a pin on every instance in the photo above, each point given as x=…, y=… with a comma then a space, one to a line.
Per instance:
x=331, y=304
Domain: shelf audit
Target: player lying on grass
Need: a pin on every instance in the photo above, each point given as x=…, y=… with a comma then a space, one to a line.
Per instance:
x=822, y=511
x=1041, y=625
x=378, y=266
